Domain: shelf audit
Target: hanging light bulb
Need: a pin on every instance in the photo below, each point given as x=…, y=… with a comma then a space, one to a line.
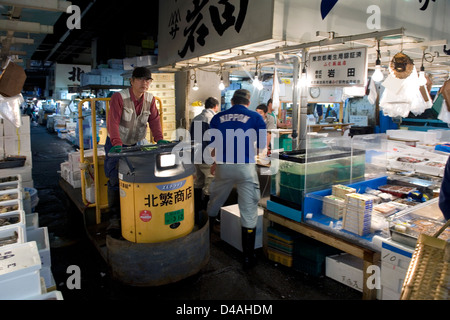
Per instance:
x=378, y=74
x=195, y=87
x=304, y=78
x=221, y=85
x=256, y=83
x=422, y=78
x=194, y=77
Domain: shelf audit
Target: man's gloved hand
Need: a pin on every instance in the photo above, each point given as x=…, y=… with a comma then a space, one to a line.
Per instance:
x=115, y=149
x=163, y=142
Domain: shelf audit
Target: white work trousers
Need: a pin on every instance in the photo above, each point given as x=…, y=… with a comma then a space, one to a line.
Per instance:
x=245, y=178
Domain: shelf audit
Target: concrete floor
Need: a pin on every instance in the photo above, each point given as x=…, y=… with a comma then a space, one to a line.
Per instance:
x=222, y=279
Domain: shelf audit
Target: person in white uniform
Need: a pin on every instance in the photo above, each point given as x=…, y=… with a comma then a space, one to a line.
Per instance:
x=238, y=134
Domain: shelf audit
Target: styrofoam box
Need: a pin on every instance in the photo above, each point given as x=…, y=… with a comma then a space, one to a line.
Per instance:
x=7, y=178
x=11, y=185
x=10, y=130
x=40, y=235
x=15, y=145
x=231, y=229
x=24, y=172
x=46, y=274
x=53, y=295
x=32, y=221
x=17, y=202
x=396, y=254
x=388, y=294
x=19, y=271
x=15, y=214
x=8, y=231
x=392, y=276
x=13, y=193
x=347, y=269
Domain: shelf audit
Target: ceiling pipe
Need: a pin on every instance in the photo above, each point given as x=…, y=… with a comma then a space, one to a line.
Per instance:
x=296, y=125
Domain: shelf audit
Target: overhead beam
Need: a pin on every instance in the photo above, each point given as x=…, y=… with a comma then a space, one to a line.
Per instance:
x=46, y=5
x=18, y=40
x=22, y=26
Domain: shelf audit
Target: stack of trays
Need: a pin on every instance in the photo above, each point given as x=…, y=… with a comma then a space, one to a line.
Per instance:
x=333, y=207
x=280, y=245
x=358, y=214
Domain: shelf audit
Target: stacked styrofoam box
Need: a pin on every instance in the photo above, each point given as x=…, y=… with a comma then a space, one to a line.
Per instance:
x=231, y=228
x=20, y=271
x=395, y=260
x=358, y=214
x=163, y=87
x=16, y=141
x=40, y=236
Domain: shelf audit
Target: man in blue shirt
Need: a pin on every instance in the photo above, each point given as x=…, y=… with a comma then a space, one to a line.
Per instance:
x=237, y=134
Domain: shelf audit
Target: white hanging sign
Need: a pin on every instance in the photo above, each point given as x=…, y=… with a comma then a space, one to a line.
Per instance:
x=338, y=68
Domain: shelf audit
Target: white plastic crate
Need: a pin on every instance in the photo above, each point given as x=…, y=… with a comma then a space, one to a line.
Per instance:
x=19, y=272
x=40, y=235
x=46, y=274
x=10, y=231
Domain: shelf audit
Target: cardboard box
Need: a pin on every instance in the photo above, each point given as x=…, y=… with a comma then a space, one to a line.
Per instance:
x=12, y=80
x=231, y=230
x=19, y=271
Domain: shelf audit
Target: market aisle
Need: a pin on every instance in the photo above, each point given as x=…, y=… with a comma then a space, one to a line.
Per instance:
x=222, y=279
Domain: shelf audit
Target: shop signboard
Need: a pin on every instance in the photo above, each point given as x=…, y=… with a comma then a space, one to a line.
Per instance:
x=338, y=68
x=194, y=28
x=67, y=75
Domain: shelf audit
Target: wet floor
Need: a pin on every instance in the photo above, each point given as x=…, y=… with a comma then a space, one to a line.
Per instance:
x=221, y=279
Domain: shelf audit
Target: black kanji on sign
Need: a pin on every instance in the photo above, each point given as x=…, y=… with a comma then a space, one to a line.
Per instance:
x=221, y=21
x=175, y=18
x=227, y=14
x=351, y=72
x=331, y=73
x=75, y=74
x=195, y=16
x=425, y=5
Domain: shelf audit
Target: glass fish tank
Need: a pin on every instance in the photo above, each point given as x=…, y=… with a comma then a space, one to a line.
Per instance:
x=295, y=173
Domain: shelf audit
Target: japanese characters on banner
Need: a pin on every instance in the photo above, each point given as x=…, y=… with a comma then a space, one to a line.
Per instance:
x=338, y=68
x=192, y=28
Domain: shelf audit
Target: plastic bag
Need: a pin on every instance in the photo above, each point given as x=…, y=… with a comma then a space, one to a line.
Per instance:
x=10, y=109
x=402, y=96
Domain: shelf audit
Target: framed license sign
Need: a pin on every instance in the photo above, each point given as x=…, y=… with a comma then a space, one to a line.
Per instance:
x=338, y=68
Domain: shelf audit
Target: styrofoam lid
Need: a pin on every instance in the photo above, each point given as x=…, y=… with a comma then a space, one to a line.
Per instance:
x=19, y=259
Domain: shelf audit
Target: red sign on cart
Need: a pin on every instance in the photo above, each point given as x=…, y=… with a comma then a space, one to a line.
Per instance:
x=145, y=215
